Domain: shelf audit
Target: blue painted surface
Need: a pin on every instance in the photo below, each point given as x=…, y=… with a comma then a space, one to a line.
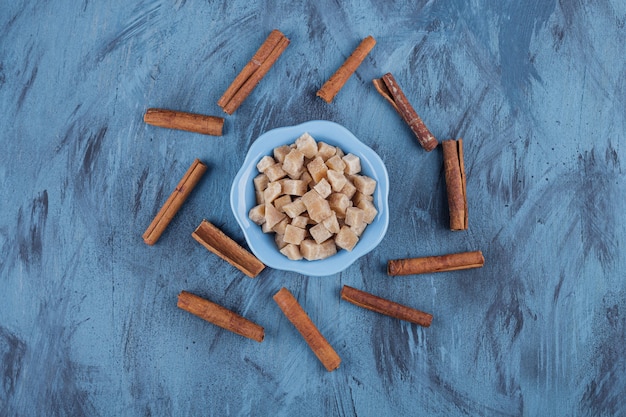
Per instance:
x=88, y=319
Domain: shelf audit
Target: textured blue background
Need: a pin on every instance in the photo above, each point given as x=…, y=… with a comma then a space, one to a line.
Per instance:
x=88, y=318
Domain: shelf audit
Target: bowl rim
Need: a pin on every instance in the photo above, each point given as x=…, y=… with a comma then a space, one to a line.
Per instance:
x=322, y=131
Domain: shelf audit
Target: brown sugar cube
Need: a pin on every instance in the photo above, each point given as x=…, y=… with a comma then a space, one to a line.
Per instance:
x=319, y=210
x=265, y=162
x=294, y=234
x=257, y=214
x=312, y=251
x=260, y=182
x=295, y=208
x=359, y=196
x=346, y=238
x=359, y=228
x=325, y=151
x=280, y=227
x=306, y=178
x=364, y=184
x=275, y=172
x=280, y=153
x=320, y=233
x=316, y=206
x=307, y=145
x=331, y=223
x=280, y=242
x=273, y=191
x=300, y=221
x=294, y=187
x=340, y=152
x=294, y=163
x=317, y=168
x=336, y=179
x=353, y=164
x=282, y=201
x=348, y=189
x=335, y=163
x=272, y=217
x=369, y=210
x=292, y=252
x=323, y=188
x=354, y=216
x=339, y=203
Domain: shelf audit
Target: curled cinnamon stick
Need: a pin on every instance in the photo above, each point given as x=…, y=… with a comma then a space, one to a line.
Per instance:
x=253, y=71
x=388, y=87
x=384, y=306
x=220, y=316
x=331, y=87
x=454, y=169
x=441, y=263
x=217, y=242
x=298, y=317
x=191, y=122
x=174, y=202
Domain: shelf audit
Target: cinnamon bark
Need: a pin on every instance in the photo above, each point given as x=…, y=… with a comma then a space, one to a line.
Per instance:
x=454, y=169
x=217, y=242
x=174, y=202
x=252, y=73
x=298, y=317
x=441, y=263
x=384, y=306
x=191, y=122
x=220, y=316
x=331, y=87
x=388, y=87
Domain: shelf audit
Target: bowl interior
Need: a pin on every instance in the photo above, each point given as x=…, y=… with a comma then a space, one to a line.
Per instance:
x=242, y=197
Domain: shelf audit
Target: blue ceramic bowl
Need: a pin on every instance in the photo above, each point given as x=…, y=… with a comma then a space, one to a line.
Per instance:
x=242, y=197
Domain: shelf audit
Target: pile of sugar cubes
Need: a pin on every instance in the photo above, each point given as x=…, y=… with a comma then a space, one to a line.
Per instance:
x=313, y=197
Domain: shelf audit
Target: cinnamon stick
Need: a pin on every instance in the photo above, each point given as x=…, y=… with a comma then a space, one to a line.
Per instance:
x=441, y=263
x=331, y=87
x=217, y=242
x=298, y=317
x=191, y=122
x=454, y=169
x=384, y=306
x=388, y=87
x=220, y=316
x=174, y=202
x=253, y=71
